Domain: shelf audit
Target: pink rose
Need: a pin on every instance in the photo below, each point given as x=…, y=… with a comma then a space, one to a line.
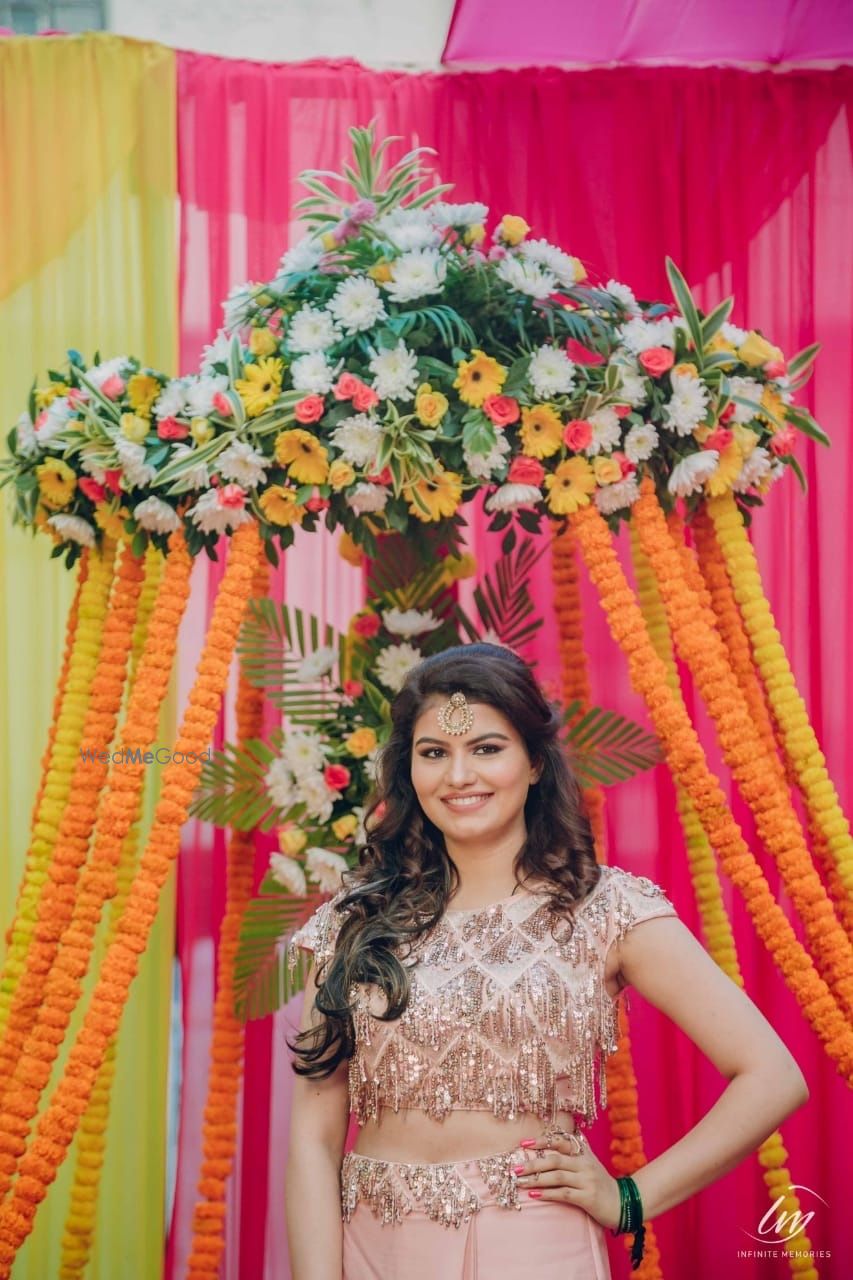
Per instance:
x=657, y=360
x=496, y=253
x=94, y=492
x=222, y=405
x=366, y=625
x=316, y=503
x=337, y=776
x=501, y=410
x=170, y=429
x=113, y=387
x=628, y=467
x=232, y=497
x=776, y=368
x=720, y=439
x=580, y=354
x=40, y=420
x=577, y=434
x=112, y=479
x=728, y=412
x=382, y=477
x=621, y=410
x=364, y=398
x=524, y=470
x=784, y=441
x=77, y=396
x=353, y=688
x=311, y=409
x=346, y=386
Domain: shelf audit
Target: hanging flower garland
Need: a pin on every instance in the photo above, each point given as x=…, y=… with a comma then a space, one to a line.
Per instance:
x=701, y=647
x=687, y=761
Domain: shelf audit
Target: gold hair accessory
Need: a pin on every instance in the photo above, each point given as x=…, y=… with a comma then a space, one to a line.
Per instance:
x=456, y=716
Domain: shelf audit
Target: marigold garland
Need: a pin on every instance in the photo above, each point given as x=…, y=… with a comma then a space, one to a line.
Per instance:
x=687, y=761
x=696, y=637
x=119, y=805
x=227, y=1045
x=94, y=595
x=57, y=1124
x=787, y=703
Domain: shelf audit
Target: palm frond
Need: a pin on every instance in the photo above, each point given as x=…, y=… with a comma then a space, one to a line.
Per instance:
x=231, y=790
x=606, y=748
x=263, y=981
x=503, y=598
x=274, y=640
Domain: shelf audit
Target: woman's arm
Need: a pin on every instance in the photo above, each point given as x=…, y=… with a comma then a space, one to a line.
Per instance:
x=318, y=1129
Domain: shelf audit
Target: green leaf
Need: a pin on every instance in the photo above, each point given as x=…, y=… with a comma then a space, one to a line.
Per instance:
x=803, y=360
x=803, y=421
x=263, y=979
x=715, y=320
x=686, y=306
x=607, y=748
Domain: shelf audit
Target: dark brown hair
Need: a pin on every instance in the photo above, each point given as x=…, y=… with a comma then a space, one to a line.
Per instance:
x=404, y=879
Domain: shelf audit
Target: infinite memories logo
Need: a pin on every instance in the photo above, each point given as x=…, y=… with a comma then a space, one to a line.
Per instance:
x=780, y=1227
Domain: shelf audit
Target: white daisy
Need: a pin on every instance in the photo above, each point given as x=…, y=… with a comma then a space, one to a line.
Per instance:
x=527, y=277
x=444, y=214
x=279, y=785
x=302, y=256
x=312, y=373
x=370, y=764
x=624, y=294
x=156, y=516
x=510, y=496
x=394, y=664
x=243, y=464
x=613, y=497
x=319, y=800
x=551, y=372
x=687, y=406
x=93, y=462
x=689, y=475
x=552, y=259
x=733, y=334
x=409, y=622
x=409, y=229
x=747, y=389
x=288, y=873
x=325, y=868
x=52, y=420
x=240, y=304
x=417, y=273
x=172, y=399
x=131, y=459
x=755, y=468
x=74, y=529
x=311, y=329
x=638, y=335
x=304, y=752
x=367, y=498
x=197, y=477
x=606, y=431
x=25, y=437
x=316, y=664
x=395, y=372
x=216, y=352
x=99, y=373
x=200, y=392
x=483, y=465
x=358, y=439
x=210, y=517
x=641, y=442
x=357, y=304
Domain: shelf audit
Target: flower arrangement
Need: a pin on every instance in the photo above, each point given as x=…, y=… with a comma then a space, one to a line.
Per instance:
x=399, y=361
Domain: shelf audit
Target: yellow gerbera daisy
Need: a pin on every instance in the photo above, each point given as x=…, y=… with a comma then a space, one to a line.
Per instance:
x=773, y=403
x=728, y=469
x=142, y=391
x=437, y=497
x=479, y=378
x=46, y=395
x=569, y=486
x=279, y=505
x=306, y=459
x=56, y=482
x=262, y=384
x=541, y=431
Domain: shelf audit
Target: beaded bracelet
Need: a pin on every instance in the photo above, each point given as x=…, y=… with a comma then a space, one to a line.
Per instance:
x=631, y=1218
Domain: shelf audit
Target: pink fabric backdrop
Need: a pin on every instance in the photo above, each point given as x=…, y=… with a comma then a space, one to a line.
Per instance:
x=650, y=32
x=745, y=179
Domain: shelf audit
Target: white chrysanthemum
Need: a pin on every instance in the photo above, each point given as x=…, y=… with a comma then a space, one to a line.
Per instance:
x=240, y=304
x=687, y=406
x=483, y=466
x=131, y=459
x=316, y=664
x=776, y=472
x=156, y=516
x=243, y=464
x=641, y=442
x=304, y=752
x=689, y=475
x=311, y=329
x=632, y=385
x=416, y=274
x=52, y=420
x=551, y=372
x=747, y=389
x=624, y=294
x=93, y=462
x=200, y=392
x=312, y=374
x=551, y=259
x=395, y=663
x=357, y=304
x=303, y=256
x=325, y=868
x=409, y=622
x=367, y=498
x=210, y=517
x=606, y=431
x=733, y=334
x=370, y=764
x=395, y=372
x=99, y=373
x=280, y=786
x=444, y=214
x=288, y=873
x=197, y=477
x=755, y=468
x=74, y=529
x=613, y=497
x=527, y=277
x=26, y=442
x=172, y=399
x=510, y=496
x=319, y=799
x=639, y=335
x=358, y=439
x=409, y=229
x=216, y=352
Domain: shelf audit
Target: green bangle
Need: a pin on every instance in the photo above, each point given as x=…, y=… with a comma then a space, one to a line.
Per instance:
x=631, y=1217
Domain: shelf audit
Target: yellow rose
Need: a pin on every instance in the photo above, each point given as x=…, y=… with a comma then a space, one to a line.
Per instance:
x=512, y=229
x=606, y=470
x=262, y=342
x=345, y=826
x=340, y=474
x=719, y=343
x=745, y=437
x=685, y=369
x=756, y=351
x=475, y=234
x=291, y=841
x=134, y=427
x=580, y=270
x=361, y=742
x=349, y=550
x=329, y=241
x=201, y=430
x=456, y=567
x=430, y=406
x=381, y=272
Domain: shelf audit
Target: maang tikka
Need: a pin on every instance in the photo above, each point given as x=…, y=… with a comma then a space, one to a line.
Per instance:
x=456, y=716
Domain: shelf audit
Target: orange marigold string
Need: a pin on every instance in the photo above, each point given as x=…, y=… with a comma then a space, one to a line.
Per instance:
x=227, y=1045
x=687, y=762
x=696, y=637
x=58, y=1123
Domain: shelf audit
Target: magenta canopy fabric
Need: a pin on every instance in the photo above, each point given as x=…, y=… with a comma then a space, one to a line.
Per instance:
x=497, y=32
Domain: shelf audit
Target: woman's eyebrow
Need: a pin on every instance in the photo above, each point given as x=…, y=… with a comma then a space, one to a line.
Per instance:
x=480, y=738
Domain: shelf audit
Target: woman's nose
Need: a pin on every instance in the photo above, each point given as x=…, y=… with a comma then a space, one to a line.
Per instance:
x=460, y=770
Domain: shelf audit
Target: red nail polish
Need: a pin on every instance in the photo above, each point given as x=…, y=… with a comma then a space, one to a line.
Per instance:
x=528, y=1142
x=518, y=1168
x=534, y=1195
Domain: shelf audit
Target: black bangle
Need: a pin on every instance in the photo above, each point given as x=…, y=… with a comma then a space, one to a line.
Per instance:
x=631, y=1218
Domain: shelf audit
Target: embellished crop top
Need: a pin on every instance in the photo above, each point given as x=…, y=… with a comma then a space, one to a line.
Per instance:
x=508, y=1010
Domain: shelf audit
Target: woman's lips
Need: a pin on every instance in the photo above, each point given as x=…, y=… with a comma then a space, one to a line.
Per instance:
x=464, y=804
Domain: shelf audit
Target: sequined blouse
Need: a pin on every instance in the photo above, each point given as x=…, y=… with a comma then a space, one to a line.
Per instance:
x=508, y=1010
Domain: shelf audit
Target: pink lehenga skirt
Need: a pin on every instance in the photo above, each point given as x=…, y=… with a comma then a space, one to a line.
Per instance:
x=466, y=1220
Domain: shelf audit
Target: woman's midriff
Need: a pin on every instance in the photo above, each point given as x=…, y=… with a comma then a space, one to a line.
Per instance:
x=411, y=1137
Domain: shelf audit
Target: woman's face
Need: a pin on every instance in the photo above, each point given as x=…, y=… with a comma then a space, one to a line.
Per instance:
x=490, y=761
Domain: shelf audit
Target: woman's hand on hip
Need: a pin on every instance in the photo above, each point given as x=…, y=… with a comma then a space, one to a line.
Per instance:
x=565, y=1169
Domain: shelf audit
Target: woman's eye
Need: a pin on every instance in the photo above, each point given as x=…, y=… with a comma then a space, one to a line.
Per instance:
x=486, y=746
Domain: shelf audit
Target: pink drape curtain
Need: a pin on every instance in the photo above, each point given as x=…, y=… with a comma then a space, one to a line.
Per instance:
x=744, y=178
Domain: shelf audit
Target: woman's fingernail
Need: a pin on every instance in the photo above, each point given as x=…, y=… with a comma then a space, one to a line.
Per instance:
x=528, y=1142
x=518, y=1168
x=534, y=1195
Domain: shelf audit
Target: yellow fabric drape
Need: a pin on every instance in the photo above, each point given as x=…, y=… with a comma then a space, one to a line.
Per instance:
x=87, y=260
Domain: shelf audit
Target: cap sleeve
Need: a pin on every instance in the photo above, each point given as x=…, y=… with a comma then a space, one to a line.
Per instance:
x=320, y=931
x=632, y=899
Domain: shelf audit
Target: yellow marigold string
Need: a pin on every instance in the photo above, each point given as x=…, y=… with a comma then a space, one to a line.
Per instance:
x=687, y=761
x=118, y=808
x=699, y=643
x=788, y=707
x=705, y=878
x=227, y=1044
x=94, y=595
x=58, y=1123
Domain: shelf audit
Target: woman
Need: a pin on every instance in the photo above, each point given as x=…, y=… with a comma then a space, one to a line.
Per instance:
x=463, y=998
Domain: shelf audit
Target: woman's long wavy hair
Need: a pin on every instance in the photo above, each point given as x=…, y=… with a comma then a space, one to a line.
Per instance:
x=405, y=878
